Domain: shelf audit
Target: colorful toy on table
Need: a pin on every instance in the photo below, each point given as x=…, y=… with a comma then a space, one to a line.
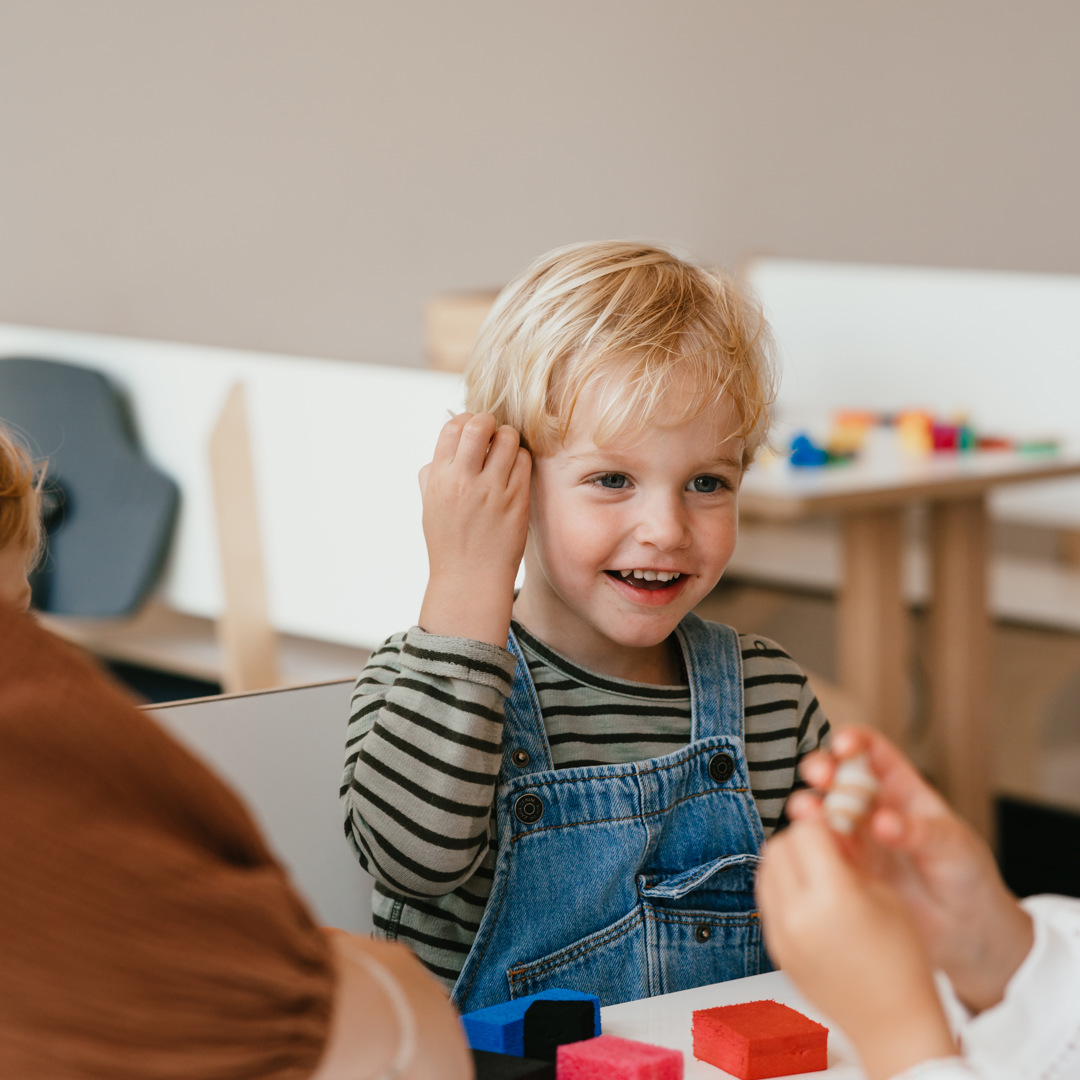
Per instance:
x=516, y=1028
x=913, y=429
x=851, y=794
x=917, y=433
x=492, y=1066
x=846, y=438
x=611, y=1058
x=759, y=1039
x=806, y=454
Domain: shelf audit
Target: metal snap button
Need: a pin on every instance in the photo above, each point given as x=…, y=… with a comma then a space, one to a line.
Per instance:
x=520, y=758
x=702, y=932
x=721, y=767
x=528, y=809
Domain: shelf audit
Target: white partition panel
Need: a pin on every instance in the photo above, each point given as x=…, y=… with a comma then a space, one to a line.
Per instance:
x=337, y=449
x=283, y=751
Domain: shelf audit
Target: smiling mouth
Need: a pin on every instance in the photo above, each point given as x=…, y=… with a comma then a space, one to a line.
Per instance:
x=647, y=580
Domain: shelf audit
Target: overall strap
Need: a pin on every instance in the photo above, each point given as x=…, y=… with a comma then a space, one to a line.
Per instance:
x=714, y=669
x=524, y=727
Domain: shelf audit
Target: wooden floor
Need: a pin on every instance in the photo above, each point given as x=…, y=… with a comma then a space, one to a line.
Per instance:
x=1035, y=722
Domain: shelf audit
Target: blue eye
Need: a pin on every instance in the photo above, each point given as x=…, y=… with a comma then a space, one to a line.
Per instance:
x=707, y=485
x=612, y=480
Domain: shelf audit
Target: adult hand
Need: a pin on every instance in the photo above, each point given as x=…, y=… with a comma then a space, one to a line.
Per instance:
x=476, y=519
x=969, y=922
x=847, y=941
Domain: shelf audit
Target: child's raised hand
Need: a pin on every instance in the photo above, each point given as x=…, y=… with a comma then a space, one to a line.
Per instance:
x=848, y=942
x=969, y=922
x=476, y=519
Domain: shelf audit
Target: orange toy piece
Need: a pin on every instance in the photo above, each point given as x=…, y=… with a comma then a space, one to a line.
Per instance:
x=759, y=1039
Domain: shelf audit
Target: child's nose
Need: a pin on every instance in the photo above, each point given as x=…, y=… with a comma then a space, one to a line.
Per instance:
x=664, y=524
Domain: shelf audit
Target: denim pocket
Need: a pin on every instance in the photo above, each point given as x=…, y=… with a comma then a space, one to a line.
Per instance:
x=702, y=946
x=611, y=963
x=730, y=874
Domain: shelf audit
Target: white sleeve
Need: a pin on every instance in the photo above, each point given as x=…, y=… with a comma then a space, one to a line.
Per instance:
x=1034, y=1032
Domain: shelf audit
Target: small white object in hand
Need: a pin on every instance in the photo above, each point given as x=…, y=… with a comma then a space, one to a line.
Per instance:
x=848, y=799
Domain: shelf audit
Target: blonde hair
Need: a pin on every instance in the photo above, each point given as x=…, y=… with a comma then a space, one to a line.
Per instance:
x=20, y=497
x=639, y=318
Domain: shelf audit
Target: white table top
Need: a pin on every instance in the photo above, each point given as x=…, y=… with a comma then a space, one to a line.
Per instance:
x=666, y=1020
x=777, y=490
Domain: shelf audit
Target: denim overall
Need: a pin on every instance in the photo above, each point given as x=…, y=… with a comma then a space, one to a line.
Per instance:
x=631, y=880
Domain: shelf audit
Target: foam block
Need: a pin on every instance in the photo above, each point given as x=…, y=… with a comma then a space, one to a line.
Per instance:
x=501, y=1028
x=611, y=1058
x=759, y=1039
x=491, y=1066
x=549, y=1024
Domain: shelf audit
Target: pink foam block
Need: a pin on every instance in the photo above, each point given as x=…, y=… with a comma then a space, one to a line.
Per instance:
x=608, y=1057
x=759, y=1039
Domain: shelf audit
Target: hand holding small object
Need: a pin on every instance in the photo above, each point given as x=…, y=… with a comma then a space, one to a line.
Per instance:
x=969, y=922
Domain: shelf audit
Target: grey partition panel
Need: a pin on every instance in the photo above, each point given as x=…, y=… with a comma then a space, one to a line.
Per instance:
x=282, y=751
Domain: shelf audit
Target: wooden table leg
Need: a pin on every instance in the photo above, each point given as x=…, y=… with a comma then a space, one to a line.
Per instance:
x=872, y=641
x=959, y=675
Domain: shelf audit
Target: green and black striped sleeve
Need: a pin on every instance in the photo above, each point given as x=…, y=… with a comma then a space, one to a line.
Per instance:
x=424, y=746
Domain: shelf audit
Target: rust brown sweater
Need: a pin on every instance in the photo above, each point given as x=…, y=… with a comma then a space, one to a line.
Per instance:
x=145, y=930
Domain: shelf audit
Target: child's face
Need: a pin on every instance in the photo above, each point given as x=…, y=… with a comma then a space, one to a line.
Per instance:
x=14, y=583
x=663, y=502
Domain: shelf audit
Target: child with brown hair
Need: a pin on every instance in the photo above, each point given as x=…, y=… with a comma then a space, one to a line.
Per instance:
x=21, y=535
x=569, y=786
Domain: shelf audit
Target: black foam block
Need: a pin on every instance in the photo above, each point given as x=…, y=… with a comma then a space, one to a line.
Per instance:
x=492, y=1066
x=550, y=1024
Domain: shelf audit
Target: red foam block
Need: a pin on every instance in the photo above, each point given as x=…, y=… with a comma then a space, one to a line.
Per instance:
x=607, y=1057
x=758, y=1039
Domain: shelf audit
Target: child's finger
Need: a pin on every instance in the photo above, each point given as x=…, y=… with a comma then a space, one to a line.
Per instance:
x=521, y=472
x=819, y=852
x=803, y=805
x=778, y=877
x=817, y=769
x=847, y=742
x=502, y=453
x=447, y=443
x=472, y=448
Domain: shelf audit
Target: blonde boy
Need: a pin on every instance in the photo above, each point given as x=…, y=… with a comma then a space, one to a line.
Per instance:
x=20, y=521
x=569, y=787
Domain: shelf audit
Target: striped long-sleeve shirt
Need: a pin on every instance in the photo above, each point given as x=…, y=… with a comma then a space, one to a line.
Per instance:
x=425, y=746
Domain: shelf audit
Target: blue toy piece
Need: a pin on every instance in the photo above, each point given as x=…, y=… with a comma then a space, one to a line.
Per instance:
x=805, y=455
x=501, y=1028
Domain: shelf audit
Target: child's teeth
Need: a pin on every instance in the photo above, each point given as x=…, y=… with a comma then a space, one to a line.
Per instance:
x=650, y=575
x=639, y=574
x=626, y=573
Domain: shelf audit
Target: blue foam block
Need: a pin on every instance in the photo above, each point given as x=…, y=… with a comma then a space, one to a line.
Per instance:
x=501, y=1028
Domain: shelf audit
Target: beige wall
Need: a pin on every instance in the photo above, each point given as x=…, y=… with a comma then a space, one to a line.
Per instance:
x=297, y=175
